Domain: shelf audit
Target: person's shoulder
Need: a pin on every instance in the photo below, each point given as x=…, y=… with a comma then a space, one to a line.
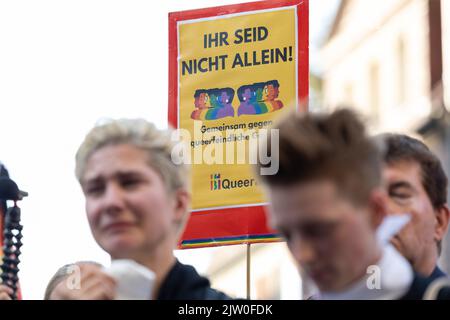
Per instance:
x=199, y=287
x=184, y=283
x=437, y=273
x=438, y=289
x=428, y=288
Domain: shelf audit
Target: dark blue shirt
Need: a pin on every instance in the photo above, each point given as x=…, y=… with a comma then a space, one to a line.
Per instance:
x=184, y=283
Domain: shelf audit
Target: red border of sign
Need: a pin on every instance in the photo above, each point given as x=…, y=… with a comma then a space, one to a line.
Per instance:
x=248, y=224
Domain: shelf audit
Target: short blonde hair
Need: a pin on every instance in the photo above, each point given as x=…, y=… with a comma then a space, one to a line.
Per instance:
x=142, y=134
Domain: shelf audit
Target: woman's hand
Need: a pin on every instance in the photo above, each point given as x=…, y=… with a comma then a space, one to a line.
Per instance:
x=93, y=284
x=5, y=292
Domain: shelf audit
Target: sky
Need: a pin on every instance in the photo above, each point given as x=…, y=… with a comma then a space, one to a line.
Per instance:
x=64, y=66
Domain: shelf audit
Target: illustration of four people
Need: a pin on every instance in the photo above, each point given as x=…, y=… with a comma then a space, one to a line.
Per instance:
x=258, y=98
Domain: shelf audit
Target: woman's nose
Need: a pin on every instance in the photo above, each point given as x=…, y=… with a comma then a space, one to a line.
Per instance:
x=113, y=198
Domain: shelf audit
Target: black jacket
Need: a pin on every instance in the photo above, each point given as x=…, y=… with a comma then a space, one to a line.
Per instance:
x=437, y=273
x=184, y=283
x=420, y=285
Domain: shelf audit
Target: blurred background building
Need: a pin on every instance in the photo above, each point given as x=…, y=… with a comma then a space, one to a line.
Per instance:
x=273, y=273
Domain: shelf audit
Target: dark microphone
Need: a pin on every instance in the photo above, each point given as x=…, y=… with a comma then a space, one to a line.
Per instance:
x=10, y=191
x=12, y=233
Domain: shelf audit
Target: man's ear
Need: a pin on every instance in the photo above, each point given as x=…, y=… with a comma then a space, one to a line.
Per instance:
x=442, y=219
x=378, y=205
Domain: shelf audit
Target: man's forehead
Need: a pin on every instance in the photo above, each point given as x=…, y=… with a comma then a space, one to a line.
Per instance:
x=403, y=164
x=403, y=170
x=303, y=221
x=297, y=203
x=304, y=192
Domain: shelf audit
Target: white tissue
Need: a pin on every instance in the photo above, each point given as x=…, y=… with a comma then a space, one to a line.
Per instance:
x=391, y=225
x=134, y=281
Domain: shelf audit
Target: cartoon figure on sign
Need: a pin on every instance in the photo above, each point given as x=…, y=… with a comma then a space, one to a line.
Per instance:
x=202, y=104
x=213, y=104
x=246, y=96
x=270, y=94
x=259, y=104
x=225, y=96
x=259, y=98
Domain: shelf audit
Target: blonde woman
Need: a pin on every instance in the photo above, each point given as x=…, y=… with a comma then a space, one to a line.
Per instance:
x=137, y=202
